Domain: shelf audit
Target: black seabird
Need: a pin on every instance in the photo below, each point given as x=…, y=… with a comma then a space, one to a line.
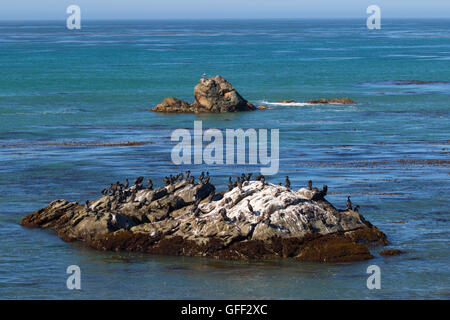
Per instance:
x=249, y=206
x=356, y=209
x=230, y=185
x=239, y=184
x=309, y=185
x=349, y=203
x=187, y=174
x=249, y=175
x=149, y=184
x=263, y=180
x=223, y=214
x=287, y=182
x=126, y=184
x=202, y=175
x=325, y=190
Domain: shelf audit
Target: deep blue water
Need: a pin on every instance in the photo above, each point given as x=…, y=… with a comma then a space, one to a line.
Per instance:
x=62, y=92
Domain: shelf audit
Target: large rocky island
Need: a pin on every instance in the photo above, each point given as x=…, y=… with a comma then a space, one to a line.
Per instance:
x=212, y=95
x=253, y=219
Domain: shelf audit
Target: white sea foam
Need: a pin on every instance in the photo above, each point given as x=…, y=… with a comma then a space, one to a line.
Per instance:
x=288, y=104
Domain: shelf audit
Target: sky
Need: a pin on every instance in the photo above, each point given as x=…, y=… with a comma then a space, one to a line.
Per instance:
x=220, y=9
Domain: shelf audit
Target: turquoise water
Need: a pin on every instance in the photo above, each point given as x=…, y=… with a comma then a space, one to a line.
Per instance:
x=64, y=92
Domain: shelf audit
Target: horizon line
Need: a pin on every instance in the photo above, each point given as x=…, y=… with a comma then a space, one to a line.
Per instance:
x=221, y=19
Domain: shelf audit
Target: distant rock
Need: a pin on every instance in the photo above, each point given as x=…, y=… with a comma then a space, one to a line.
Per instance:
x=337, y=100
x=391, y=252
x=172, y=104
x=212, y=95
x=281, y=223
x=417, y=82
x=286, y=101
x=218, y=95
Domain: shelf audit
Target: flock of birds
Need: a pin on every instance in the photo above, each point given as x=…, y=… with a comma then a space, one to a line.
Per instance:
x=123, y=193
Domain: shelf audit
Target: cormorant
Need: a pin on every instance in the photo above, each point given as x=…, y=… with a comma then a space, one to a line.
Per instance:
x=263, y=180
x=239, y=184
x=349, y=203
x=249, y=206
x=223, y=214
x=230, y=185
x=149, y=184
x=287, y=182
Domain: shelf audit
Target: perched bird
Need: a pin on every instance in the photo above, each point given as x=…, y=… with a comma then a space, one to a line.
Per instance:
x=108, y=206
x=325, y=190
x=192, y=180
x=230, y=185
x=126, y=184
x=249, y=206
x=114, y=218
x=263, y=180
x=196, y=211
x=187, y=174
x=249, y=175
x=349, y=203
x=239, y=184
x=223, y=214
x=149, y=184
x=206, y=180
x=105, y=191
x=356, y=209
x=243, y=177
x=166, y=181
x=309, y=185
x=87, y=205
x=258, y=177
x=202, y=175
x=287, y=182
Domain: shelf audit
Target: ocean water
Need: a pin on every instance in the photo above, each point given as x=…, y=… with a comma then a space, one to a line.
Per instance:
x=65, y=93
